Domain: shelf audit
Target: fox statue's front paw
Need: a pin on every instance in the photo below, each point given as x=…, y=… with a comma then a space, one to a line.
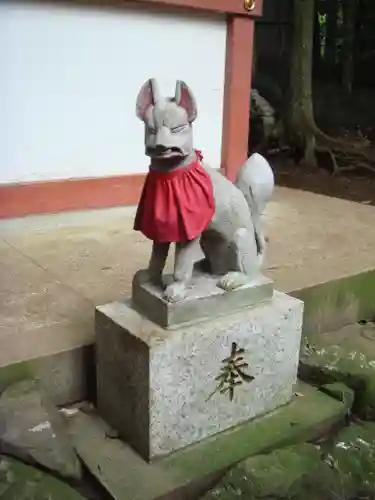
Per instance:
x=145, y=276
x=175, y=292
x=232, y=281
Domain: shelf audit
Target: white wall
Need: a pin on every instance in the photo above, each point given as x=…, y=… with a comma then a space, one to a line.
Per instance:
x=70, y=76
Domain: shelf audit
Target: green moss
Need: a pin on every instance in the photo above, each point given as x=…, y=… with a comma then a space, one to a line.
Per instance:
x=277, y=472
x=285, y=473
x=306, y=471
x=353, y=457
x=17, y=372
x=19, y=481
x=341, y=392
x=347, y=356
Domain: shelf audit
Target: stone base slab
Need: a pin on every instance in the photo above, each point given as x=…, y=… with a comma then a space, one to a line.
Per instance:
x=165, y=389
x=204, y=299
x=188, y=473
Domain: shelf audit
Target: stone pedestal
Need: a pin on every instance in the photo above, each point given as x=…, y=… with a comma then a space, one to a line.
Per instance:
x=165, y=389
x=204, y=300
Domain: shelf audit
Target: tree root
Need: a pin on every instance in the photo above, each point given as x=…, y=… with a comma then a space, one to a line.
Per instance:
x=357, y=166
x=335, y=166
x=357, y=159
x=338, y=149
x=362, y=159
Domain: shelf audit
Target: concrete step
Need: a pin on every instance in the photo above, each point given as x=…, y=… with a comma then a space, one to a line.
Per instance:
x=55, y=269
x=69, y=374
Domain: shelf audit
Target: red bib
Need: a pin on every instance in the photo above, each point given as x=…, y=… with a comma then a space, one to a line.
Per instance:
x=176, y=206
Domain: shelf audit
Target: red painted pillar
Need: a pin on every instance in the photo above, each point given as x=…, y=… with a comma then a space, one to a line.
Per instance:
x=238, y=69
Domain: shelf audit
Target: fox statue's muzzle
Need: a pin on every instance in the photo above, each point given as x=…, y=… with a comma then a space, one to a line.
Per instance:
x=159, y=152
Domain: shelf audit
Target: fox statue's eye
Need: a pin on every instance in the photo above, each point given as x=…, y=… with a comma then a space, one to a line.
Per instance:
x=151, y=130
x=176, y=130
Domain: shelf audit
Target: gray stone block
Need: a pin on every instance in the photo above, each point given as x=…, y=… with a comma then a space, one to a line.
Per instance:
x=190, y=472
x=32, y=430
x=66, y=377
x=69, y=376
x=204, y=300
x=165, y=389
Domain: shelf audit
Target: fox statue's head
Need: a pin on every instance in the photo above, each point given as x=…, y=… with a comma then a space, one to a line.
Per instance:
x=168, y=121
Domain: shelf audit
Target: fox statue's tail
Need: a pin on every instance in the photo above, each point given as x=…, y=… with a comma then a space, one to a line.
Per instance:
x=256, y=181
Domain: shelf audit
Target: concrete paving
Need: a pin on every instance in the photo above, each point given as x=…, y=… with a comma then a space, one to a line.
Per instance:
x=54, y=269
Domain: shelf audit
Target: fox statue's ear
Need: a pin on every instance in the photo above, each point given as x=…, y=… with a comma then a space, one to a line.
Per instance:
x=148, y=95
x=184, y=97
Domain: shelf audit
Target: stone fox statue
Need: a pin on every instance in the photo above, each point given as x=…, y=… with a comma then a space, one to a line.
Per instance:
x=190, y=204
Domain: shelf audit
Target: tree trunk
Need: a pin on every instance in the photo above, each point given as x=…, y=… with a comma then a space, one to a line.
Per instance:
x=300, y=122
x=359, y=22
x=302, y=134
x=349, y=17
x=331, y=33
x=316, y=46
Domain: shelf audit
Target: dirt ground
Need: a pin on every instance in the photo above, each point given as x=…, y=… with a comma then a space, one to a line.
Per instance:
x=358, y=186
x=336, y=116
